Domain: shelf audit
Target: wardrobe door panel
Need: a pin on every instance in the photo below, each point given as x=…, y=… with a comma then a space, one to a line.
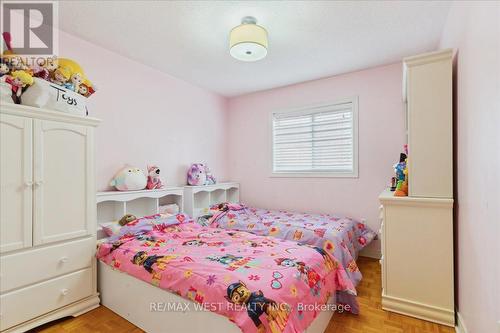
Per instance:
x=16, y=160
x=63, y=181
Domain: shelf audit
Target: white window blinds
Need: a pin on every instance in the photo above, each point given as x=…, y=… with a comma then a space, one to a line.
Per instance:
x=316, y=140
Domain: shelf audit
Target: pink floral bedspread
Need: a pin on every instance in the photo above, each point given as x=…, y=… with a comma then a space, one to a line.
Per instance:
x=260, y=283
x=343, y=237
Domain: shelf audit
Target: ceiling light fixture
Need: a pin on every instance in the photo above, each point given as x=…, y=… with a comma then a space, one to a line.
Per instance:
x=248, y=41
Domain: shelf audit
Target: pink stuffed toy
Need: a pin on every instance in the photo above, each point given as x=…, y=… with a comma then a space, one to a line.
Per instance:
x=154, y=180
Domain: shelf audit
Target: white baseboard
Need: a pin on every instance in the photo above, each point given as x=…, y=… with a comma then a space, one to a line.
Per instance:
x=432, y=313
x=460, y=328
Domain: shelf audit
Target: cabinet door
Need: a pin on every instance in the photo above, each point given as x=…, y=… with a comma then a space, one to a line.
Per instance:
x=64, y=181
x=16, y=166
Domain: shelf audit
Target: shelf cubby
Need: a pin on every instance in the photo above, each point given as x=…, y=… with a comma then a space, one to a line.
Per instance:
x=198, y=199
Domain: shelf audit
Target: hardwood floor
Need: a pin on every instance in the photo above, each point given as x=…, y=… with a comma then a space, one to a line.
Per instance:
x=372, y=319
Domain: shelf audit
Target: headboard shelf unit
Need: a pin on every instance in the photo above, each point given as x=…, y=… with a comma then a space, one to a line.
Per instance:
x=112, y=205
x=198, y=199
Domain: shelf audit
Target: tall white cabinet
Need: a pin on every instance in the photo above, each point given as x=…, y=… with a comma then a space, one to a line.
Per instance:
x=417, y=231
x=47, y=216
x=429, y=113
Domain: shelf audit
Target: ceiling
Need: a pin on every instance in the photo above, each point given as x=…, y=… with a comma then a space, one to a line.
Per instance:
x=307, y=39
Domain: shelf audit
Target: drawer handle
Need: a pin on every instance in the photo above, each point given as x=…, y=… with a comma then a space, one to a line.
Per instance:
x=39, y=182
x=64, y=292
x=29, y=183
x=64, y=260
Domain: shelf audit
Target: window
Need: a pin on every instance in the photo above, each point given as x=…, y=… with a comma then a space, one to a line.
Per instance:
x=317, y=141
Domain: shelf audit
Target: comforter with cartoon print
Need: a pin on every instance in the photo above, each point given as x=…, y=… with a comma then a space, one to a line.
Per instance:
x=260, y=283
x=341, y=236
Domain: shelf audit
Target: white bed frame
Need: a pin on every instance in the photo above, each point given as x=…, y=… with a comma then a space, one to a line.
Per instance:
x=133, y=299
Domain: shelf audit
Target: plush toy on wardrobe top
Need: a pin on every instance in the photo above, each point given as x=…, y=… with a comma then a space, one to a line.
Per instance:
x=200, y=174
x=68, y=73
x=4, y=69
x=19, y=80
x=129, y=179
x=154, y=180
x=61, y=76
x=44, y=68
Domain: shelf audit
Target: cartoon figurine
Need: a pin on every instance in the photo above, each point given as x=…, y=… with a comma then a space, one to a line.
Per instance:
x=19, y=80
x=402, y=175
x=257, y=305
x=61, y=76
x=154, y=180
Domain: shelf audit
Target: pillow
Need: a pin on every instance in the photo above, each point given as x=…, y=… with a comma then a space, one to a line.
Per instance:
x=171, y=209
x=110, y=228
x=113, y=228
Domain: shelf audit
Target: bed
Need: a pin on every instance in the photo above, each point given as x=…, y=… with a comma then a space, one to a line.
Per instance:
x=157, y=261
x=341, y=236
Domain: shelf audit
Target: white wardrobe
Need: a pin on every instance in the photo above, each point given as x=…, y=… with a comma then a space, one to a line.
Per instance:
x=47, y=216
x=417, y=231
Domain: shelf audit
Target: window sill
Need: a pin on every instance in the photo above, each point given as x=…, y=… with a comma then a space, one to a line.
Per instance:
x=313, y=175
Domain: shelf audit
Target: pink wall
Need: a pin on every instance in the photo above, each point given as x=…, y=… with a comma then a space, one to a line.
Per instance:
x=474, y=29
x=381, y=135
x=148, y=117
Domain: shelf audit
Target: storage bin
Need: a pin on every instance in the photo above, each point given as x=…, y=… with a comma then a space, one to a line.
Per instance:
x=5, y=92
x=48, y=95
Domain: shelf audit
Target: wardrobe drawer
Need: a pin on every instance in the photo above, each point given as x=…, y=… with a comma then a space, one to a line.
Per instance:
x=33, y=301
x=35, y=265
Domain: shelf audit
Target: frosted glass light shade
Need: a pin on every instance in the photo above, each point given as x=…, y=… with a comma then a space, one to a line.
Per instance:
x=248, y=42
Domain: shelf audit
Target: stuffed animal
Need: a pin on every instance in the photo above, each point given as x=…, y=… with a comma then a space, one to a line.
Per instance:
x=129, y=179
x=61, y=76
x=19, y=80
x=85, y=90
x=44, y=68
x=197, y=174
x=127, y=219
x=154, y=180
x=210, y=178
x=200, y=174
x=4, y=69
